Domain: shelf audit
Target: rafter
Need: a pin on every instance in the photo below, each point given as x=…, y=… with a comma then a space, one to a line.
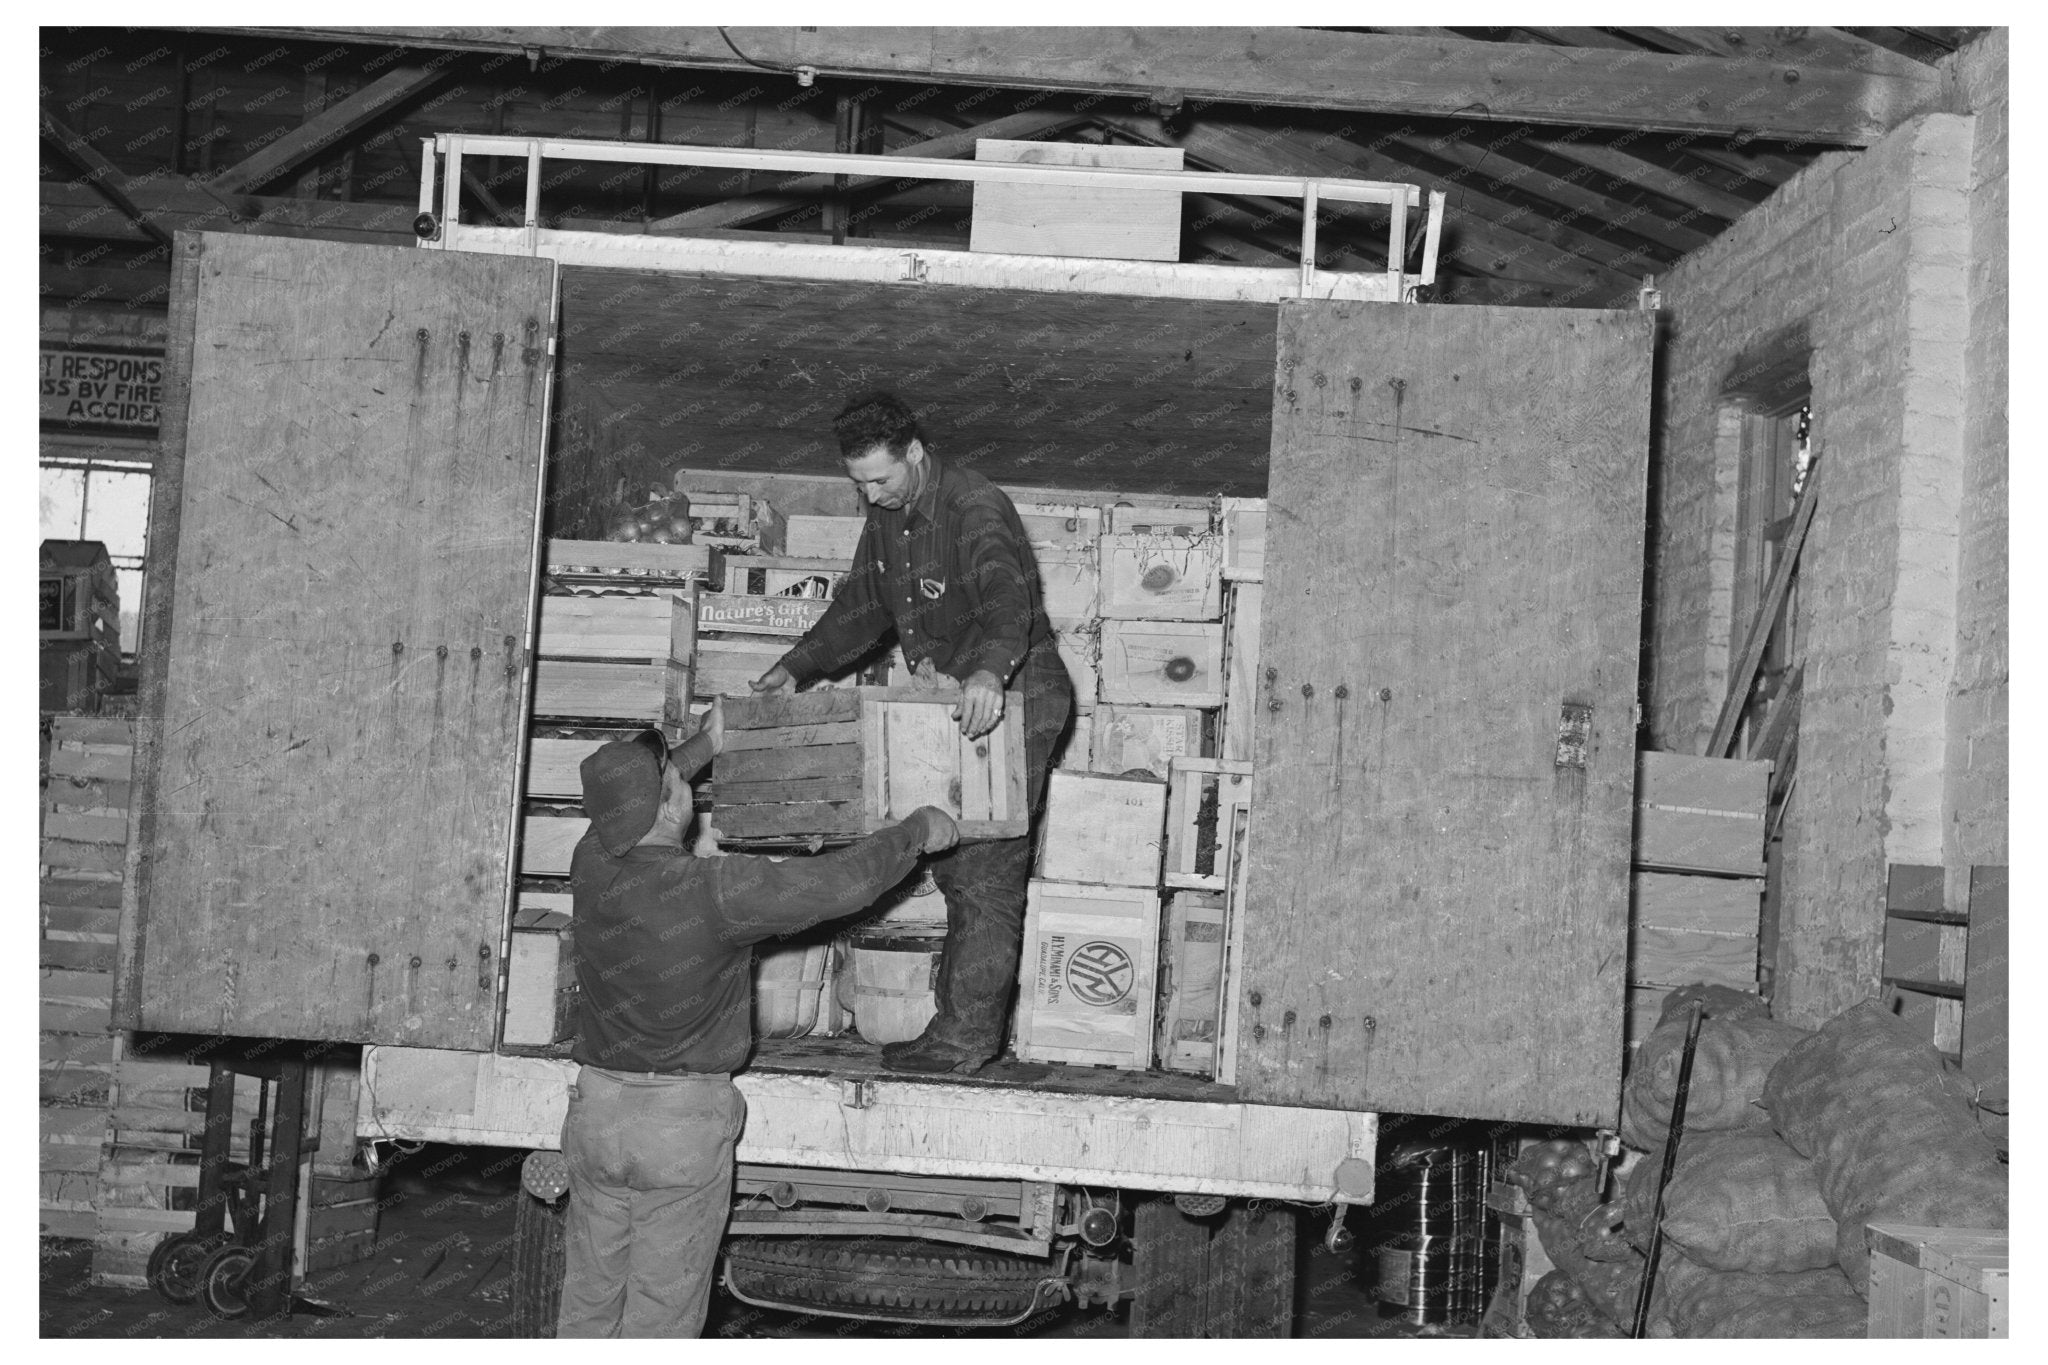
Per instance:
x=1671, y=184
x=1818, y=47
x=1479, y=149
x=331, y=125
x=1300, y=68
x=103, y=175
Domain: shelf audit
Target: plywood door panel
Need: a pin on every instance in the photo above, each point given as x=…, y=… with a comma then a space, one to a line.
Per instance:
x=1436, y=909
x=340, y=710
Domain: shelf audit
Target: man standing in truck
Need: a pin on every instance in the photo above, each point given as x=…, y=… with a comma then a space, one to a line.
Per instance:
x=664, y=960
x=943, y=561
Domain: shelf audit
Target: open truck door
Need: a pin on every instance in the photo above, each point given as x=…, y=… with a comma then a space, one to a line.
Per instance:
x=345, y=533
x=1436, y=917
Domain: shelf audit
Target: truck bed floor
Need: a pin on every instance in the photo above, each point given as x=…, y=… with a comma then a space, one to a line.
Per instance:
x=854, y=1059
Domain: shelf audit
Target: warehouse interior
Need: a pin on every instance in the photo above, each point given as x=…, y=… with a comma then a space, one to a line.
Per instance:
x=1808, y=227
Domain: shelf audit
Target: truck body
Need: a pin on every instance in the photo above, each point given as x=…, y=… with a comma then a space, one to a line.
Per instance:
x=364, y=449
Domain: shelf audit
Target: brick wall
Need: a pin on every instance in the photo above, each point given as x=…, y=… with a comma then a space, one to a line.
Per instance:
x=1879, y=263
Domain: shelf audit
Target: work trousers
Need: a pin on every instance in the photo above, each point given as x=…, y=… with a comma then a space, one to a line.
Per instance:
x=985, y=881
x=650, y=1191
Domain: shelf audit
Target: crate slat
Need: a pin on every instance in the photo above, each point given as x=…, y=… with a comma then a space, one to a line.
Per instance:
x=658, y=627
x=611, y=691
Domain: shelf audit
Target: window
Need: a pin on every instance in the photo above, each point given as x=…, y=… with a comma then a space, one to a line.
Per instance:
x=107, y=501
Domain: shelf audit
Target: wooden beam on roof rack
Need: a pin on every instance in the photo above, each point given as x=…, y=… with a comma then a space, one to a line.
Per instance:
x=331, y=125
x=1294, y=67
x=753, y=208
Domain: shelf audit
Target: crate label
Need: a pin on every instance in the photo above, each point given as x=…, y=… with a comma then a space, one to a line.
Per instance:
x=767, y=615
x=1091, y=974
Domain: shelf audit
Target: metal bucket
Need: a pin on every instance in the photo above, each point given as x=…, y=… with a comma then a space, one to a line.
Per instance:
x=1429, y=1231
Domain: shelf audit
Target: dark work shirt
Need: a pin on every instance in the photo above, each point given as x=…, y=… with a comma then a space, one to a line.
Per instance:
x=952, y=574
x=664, y=941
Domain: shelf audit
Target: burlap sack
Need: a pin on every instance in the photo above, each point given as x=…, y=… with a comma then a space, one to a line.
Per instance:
x=1609, y=1285
x=1740, y=1200
x=1889, y=1129
x=1559, y=1309
x=1738, y=1303
x=1735, y=1055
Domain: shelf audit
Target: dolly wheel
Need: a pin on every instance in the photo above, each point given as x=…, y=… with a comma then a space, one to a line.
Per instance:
x=173, y=1270
x=224, y=1281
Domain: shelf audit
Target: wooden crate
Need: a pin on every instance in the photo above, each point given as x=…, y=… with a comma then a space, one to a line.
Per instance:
x=1124, y=738
x=546, y=843
x=1060, y=526
x=653, y=693
x=814, y=537
x=1191, y=982
x=1150, y=576
x=726, y=665
x=1086, y=983
x=1076, y=220
x=1241, y=669
x=341, y=1223
x=1162, y=663
x=1244, y=539
x=659, y=626
x=540, y=979
x=1206, y=795
x=554, y=767
x=1069, y=583
x=1700, y=814
x=1939, y=1282
x=816, y=576
x=1081, y=652
x=627, y=559
x=1100, y=829
x=1690, y=928
x=845, y=762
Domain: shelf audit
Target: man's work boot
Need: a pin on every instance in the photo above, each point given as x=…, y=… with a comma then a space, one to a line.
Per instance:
x=932, y=1056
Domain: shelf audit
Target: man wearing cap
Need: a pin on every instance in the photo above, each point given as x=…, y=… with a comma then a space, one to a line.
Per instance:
x=944, y=564
x=664, y=959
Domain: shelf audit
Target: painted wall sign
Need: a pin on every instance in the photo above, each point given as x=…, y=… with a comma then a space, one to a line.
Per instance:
x=102, y=390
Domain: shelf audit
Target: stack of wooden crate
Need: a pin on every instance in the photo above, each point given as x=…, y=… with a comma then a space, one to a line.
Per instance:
x=1696, y=896
x=83, y=851
x=616, y=653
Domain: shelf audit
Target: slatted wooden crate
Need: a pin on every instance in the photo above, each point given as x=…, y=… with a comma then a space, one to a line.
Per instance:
x=736, y=521
x=1241, y=610
x=1191, y=982
x=1244, y=539
x=816, y=537
x=1101, y=829
x=618, y=559
x=1147, y=576
x=619, y=657
x=1939, y=1282
x=546, y=841
x=554, y=767
x=845, y=762
x=1125, y=738
x=1205, y=799
x=1087, y=976
x=726, y=665
x=786, y=575
x=1700, y=814
x=340, y=1222
x=1162, y=663
x=1686, y=929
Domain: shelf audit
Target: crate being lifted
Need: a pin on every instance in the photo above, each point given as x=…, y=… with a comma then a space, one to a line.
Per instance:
x=838, y=763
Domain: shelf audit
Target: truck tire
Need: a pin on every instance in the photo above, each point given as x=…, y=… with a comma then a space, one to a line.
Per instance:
x=537, y=1246
x=916, y=1279
x=1211, y=1277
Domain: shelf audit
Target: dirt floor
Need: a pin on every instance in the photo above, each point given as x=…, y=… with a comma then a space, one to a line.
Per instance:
x=443, y=1268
